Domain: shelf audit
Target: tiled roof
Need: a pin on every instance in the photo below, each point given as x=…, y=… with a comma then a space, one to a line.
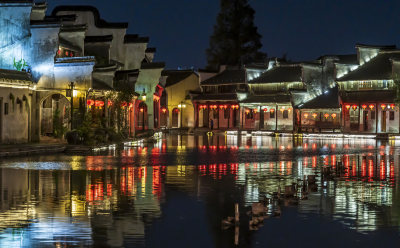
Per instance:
x=347, y=59
x=15, y=75
x=376, y=46
x=378, y=68
x=228, y=76
x=63, y=42
x=100, y=85
x=216, y=97
x=176, y=76
x=326, y=100
x=153, y=65
x=98, y=21
x=73, y=28
x=280, y=74
x=134, y=38
x=93, y=39
x=151, y=50
x=342, y=58
x=275, y=98
x=372, y=96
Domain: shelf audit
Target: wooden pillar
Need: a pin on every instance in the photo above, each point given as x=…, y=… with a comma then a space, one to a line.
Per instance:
x=229, y=114
x=242, y=116
x=218, y=114
x=276, y=117
x=259, y=117
x=376, y=118
x=359, y=117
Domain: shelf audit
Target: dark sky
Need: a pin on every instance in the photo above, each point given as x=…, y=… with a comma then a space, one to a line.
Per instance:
x=304, y=29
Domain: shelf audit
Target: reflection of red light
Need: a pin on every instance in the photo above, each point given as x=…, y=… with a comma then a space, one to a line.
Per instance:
x=314, y=161
x=364, y=168
x=156, y=181
x=371, y=168
x=109, y=189
x=289, y=167
x=391, y=171
x=382, y=169
x=305, y=161
x=333, y=161
x=314, y=146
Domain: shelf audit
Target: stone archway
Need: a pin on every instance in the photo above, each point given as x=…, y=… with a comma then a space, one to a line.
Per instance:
x=164, y=117
x=142, y=116
x=175, y=117
x=55, y=107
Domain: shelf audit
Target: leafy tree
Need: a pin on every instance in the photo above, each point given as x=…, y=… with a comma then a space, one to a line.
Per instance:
x=235, y=39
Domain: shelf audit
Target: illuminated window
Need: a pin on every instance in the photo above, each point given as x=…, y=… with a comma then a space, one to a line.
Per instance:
x=365, y=85
x=385, y=84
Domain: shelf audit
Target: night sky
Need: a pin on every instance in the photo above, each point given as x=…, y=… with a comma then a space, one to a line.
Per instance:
x=303, y=29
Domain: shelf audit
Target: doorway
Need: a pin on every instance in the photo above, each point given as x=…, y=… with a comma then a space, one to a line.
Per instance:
x=365, y=121
x=175, y=117
x=383, y=123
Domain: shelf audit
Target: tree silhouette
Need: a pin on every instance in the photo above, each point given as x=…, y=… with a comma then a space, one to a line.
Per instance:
x=235, y=40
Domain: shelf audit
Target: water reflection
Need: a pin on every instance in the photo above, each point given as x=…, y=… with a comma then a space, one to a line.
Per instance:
x=122, y=197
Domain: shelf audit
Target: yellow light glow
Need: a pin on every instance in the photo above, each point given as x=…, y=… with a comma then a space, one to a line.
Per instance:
x=75, y=93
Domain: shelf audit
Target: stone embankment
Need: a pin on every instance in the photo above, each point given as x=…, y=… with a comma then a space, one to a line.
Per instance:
x=30, y=149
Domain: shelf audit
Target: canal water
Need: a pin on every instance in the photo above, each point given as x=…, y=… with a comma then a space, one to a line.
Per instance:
x=182, y=191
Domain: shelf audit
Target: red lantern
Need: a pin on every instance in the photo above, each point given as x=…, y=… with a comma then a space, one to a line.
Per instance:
x=124, y=104
x=383, y=106
x=306, y=115
x=314, y=115
x=347, y=106
x=59, y=52
x=354, y=107
x=141, y=109
x=225, y=106
x=265, y=109
x=272, y=111
x=392, y=106
x=109, y=103
x=333, y=115
x=326, y=115
x=165, y=110
x=371, y=106
x=364, y=106
x=247, y=111
x=90, y=102
x=99, y=103
x=221, y=106
x=255, y=110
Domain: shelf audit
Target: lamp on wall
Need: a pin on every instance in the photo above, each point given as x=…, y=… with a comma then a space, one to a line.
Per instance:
x=143, y=96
